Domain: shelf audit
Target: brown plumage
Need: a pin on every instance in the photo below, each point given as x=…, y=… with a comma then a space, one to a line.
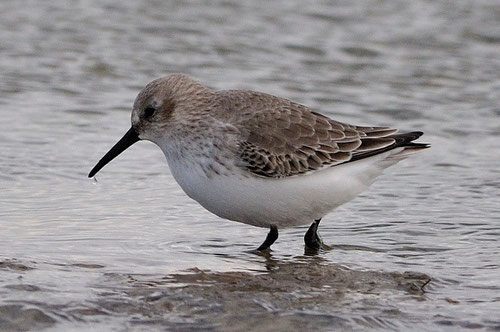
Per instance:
x=280, y=138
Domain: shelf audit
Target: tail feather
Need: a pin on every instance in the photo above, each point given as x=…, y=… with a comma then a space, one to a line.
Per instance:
x=366, y=166
x=400, y=140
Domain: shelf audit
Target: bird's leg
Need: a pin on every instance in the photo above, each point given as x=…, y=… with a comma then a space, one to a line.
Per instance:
x=272, y=236
x=312, y=239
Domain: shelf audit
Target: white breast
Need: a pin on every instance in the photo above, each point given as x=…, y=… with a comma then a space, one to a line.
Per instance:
x=292, y=201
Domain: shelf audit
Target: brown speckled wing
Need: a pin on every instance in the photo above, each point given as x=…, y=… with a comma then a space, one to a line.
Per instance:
x=280, y=138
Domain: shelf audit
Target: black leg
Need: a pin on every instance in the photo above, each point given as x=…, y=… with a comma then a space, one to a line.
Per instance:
x=312, y=239
x=272, y=236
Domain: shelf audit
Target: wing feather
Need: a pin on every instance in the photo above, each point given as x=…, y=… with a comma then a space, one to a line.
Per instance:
x=280, y=138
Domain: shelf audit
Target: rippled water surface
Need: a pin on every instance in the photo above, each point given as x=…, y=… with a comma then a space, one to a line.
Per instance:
x=420, y=250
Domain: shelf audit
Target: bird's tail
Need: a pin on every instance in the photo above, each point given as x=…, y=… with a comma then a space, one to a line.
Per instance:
x=406, y=142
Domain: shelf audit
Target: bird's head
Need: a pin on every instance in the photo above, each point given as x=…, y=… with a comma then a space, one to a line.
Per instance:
x=162, y=106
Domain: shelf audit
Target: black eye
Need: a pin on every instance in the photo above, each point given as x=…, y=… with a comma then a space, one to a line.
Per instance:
x=149, y=112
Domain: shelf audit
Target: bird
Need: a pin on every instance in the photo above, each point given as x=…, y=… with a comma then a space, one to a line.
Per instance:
x=259, y=159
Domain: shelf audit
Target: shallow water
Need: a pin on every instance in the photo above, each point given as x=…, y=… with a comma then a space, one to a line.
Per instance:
x=131, y=252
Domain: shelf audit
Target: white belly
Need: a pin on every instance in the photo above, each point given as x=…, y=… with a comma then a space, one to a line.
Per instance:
x=287, y=202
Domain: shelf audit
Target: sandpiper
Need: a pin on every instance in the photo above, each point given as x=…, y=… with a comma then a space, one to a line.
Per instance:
x=259, y=159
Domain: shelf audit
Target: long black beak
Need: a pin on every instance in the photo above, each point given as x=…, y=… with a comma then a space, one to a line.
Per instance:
x=127, y=140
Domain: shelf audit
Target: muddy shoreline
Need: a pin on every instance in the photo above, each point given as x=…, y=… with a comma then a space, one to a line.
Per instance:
x=304, y=293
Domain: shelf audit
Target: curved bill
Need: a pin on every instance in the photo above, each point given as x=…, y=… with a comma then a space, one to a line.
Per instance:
x=127, y=140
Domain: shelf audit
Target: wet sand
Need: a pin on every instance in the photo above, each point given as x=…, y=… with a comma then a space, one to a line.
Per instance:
x=305, y=293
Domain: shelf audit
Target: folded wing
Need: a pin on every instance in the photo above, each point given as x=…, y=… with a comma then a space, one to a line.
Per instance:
x=282, y=138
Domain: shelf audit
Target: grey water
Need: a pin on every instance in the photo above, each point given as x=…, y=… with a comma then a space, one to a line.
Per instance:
x=129, y=251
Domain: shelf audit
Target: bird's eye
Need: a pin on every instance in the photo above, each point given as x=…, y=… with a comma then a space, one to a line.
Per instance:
x=149, y=112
